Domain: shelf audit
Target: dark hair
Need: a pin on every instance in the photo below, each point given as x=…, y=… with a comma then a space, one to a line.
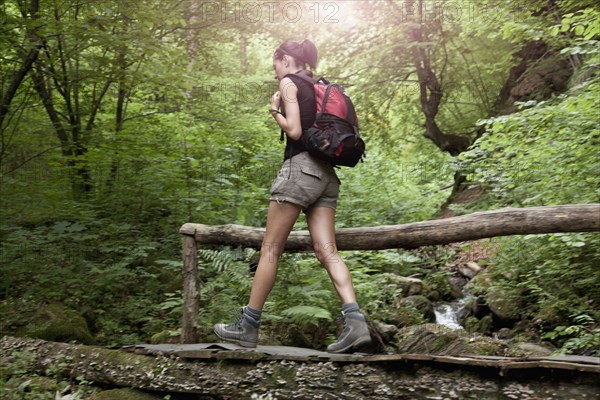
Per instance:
x=304, y=53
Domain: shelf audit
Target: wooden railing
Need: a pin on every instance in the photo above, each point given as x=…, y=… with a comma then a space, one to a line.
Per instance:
x=503, y=222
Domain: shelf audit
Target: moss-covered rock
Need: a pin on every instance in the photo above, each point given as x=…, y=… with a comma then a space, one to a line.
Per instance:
x=438, y=287
x=438, y=339
x=481, y=282
x=505, y=305
x=422, y=304
x=426, y=338
x=406, y=285
x=474, y=306
x=400, y=316
x=58, y=323
x=527, y=349
x=386, y=331
x=550, y=315
x=125, y=394
x=525, y=331
x=481, y=326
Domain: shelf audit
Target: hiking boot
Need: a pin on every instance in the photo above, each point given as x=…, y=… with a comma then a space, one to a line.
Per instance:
x=355, y=335
x=244, y=331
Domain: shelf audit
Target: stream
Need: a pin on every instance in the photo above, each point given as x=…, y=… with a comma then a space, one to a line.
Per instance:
x=447, y=313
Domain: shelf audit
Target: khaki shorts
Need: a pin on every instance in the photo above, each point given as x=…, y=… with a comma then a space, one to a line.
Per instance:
x=307, y=182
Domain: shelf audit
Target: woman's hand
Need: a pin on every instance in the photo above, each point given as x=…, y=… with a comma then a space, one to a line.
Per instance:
x=276, y=100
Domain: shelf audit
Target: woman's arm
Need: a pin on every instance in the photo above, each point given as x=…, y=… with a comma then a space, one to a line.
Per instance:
x=288, y=93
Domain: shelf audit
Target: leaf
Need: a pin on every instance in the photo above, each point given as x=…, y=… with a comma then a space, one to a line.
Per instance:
x=60, y=227
x=307, y=313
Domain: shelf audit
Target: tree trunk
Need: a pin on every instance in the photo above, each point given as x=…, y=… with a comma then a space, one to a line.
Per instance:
x=431, y=90
x=503, y=222
x=243, y=374
x=26, y=65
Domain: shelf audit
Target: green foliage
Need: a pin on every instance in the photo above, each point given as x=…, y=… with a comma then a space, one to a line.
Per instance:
x=18, y=383
x=226, y=280
x=306, y=314
x=438, y=287
x=556, y=279
x=390, y=188
x=542, y=155
x=581, y=337
x=113, y=284
x=303, y=293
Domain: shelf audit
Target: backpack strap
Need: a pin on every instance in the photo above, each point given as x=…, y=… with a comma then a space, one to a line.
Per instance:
x=282, y=133
x=312, y=81
x=325, y=98
x=304, y=77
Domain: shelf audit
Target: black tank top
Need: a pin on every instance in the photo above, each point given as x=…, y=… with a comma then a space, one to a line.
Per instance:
x=308, y=107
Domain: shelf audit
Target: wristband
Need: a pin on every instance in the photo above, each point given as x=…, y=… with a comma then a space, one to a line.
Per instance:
x=272, y=110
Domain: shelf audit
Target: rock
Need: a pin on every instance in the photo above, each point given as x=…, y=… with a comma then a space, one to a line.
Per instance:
x=56, y=322
x=386, y=331
x=476, y=307
x=469, y=270
x=480, y=326
x=409, y=286
x=549, y=316
x=505, y=333
x=526, y=349
x=481, y=282
x=525, y=331
x=438, y=287
x=422, y=304
x=402, y=315
x=426, y=339
x=438, y=339
x=434, y=295
x=505, y=306
x=458, y=283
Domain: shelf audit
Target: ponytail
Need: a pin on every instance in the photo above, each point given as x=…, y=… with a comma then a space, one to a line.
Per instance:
x=309, y=51
x=304, y=53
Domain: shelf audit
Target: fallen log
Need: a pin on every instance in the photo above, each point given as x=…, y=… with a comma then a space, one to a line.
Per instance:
x=242, y=374
x=479, y=225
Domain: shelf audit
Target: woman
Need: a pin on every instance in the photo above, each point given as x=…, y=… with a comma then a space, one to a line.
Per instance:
x=303, y=184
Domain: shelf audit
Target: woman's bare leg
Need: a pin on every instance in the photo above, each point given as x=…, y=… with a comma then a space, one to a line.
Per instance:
x=321, y=224
x=280, y=220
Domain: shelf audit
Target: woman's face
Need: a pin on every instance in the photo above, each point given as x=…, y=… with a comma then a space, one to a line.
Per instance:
x=281, y=67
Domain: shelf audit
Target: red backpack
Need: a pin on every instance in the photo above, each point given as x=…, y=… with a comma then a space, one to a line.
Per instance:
x=334, y=136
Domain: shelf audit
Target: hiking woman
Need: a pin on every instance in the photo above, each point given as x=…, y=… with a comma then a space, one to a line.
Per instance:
x=303, y=184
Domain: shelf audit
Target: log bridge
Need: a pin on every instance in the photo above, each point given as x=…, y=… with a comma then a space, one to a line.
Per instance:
x=292, y=373
x=225, y=371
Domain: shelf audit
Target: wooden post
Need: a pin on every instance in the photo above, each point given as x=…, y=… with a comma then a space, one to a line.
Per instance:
x=190, y=289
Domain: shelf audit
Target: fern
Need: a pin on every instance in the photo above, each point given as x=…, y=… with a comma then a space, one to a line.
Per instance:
x=305, y=314
x=218, y=260
x=225, y=283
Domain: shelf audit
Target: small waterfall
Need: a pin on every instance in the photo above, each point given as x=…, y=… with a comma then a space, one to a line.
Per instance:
x=447, y=313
